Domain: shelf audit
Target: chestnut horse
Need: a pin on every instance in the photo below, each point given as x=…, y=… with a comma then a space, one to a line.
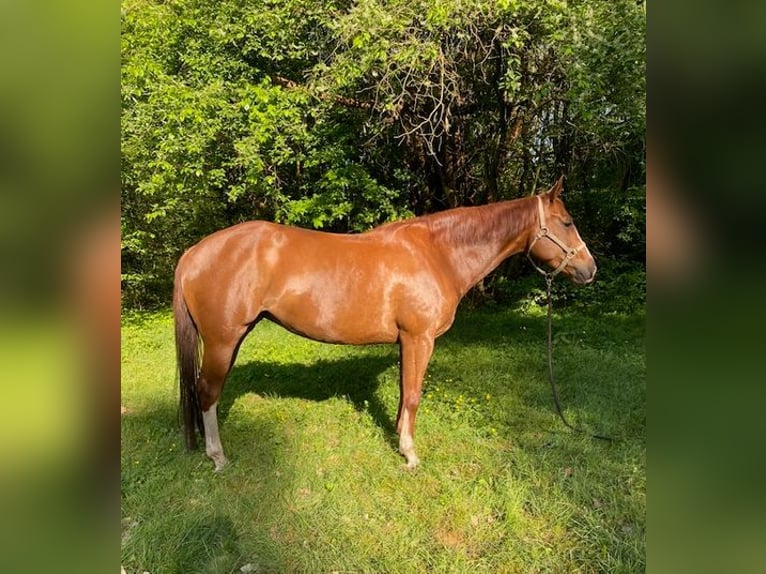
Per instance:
x=399, y=283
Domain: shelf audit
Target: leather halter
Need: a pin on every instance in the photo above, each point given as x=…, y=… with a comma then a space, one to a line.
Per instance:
x=543, y=231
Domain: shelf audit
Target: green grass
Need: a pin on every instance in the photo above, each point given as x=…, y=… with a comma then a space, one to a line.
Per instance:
x=316, y=485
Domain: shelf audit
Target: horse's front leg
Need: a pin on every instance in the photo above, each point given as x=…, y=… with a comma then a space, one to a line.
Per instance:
x=415, y=352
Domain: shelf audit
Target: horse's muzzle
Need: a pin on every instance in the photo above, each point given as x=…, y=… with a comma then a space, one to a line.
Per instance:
x=585, y=278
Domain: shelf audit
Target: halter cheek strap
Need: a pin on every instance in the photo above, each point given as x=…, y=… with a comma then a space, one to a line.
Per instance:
x=543, y=231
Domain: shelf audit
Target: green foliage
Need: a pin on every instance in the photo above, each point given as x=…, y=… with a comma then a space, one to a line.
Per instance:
x=605, y=53
x=619, y=288
x=341, y=116
x=209, y=138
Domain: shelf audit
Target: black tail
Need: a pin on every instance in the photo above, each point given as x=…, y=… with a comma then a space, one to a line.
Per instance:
x=188, y=358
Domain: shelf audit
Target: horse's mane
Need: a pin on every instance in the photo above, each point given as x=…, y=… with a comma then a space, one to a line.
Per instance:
x=472, y=225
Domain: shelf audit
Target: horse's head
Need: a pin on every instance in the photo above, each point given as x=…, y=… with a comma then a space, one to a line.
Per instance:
x=555, y=241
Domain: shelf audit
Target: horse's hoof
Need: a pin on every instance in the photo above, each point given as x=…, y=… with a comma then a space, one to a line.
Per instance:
x=220, y=464
x=412, y=463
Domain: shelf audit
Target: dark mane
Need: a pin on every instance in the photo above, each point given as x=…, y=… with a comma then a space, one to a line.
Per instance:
x=471, y=225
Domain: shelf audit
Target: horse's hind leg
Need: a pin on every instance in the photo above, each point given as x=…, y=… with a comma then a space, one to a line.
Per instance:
x=216, y=362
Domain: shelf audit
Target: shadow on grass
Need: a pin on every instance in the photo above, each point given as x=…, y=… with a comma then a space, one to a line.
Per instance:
x=603, y=390
x=356, y=378
x=359, y=377
x=179, y=516
x=496, y=325
x=213, y=546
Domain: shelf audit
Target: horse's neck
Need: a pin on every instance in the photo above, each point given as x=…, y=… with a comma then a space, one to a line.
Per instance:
x=476, y=240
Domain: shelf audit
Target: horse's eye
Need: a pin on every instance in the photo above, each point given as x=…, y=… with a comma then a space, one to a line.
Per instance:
x=568, y=223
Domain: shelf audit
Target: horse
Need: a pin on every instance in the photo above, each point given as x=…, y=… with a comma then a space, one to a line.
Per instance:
x=398, y=283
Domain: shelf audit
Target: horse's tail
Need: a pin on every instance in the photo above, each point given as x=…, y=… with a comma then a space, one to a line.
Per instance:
x=188, y=358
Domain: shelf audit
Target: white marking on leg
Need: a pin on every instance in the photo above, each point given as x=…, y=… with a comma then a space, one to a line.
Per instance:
x=213, y=446
x=406, y=443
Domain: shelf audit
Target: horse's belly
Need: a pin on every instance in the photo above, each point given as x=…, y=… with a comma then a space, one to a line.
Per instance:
x=330, y=320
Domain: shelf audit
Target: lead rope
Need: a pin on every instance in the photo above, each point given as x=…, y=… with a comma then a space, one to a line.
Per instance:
x=549, y=282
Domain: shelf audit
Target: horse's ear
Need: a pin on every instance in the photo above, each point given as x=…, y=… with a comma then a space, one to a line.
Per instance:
x=557, y=188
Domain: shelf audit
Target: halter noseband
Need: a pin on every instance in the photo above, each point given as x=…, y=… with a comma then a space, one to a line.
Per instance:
x=543, y=231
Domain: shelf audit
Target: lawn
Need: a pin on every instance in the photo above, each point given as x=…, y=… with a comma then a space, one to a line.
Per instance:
x=315, y=483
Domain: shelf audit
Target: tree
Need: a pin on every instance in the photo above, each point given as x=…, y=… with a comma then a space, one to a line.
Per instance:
x=340, y=115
